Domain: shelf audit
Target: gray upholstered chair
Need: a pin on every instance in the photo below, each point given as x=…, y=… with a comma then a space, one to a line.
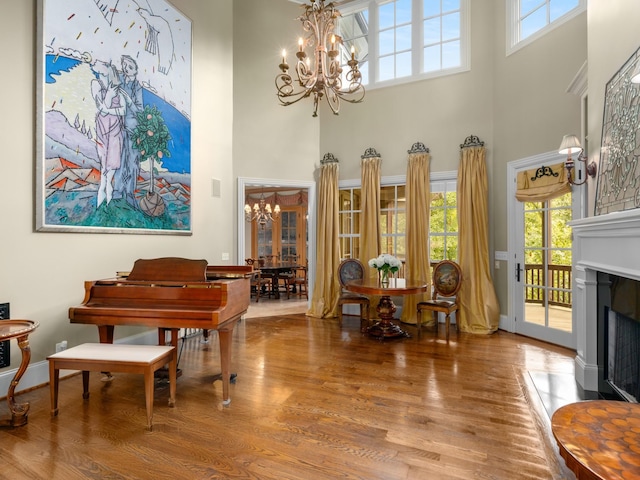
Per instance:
x=352, y=269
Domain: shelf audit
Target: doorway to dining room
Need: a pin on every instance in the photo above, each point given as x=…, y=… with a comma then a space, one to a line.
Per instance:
x=293, y=233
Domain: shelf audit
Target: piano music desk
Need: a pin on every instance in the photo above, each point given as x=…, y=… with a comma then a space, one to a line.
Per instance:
x=99, y=357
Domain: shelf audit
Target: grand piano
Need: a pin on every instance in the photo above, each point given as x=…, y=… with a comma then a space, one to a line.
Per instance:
x=170, y=293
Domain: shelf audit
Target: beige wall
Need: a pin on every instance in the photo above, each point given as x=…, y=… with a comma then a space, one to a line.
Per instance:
x=42, y=274
x=269, y=140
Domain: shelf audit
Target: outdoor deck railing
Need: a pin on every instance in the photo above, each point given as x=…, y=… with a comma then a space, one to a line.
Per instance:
x=558, y=285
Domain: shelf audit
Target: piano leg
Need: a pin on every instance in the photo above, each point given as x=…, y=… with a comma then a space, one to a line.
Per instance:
x=105, y=333
x=225, y=335
x=162, y=337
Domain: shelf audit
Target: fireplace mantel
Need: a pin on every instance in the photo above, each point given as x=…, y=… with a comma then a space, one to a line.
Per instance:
x=605, y=243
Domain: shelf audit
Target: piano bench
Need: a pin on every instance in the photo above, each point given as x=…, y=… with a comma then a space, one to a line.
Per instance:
x=107, y=357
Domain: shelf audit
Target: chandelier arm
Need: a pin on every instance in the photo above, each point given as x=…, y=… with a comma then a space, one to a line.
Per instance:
x=307, y=79
x=285, y=89
x=333, y=99
x=293, y=98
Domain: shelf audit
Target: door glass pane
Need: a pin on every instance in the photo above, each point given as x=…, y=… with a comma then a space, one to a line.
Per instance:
x=288, y=233
x=547, y=270
x=533, y=229
x=265, y=240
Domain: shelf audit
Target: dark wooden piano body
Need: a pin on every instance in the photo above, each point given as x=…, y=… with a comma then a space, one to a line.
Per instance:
x=169, y=294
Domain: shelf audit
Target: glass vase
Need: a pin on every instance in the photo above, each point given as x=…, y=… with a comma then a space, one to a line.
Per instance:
x=384, y=278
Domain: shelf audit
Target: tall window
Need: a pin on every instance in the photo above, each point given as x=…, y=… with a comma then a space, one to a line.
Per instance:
x=404, y=40
x=394, y=40
x=443, y=234
x=441, y=35
x=443, y=222
x=354, y=29
x=349, y=219
x=393, y=220
x=530, y=19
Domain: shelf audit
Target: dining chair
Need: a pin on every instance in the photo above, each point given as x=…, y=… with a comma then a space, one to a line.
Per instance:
x=447, y=279
x=259, y=284
x=287, y=277
x=272, y=259
x=348, y=270
x=299, y=282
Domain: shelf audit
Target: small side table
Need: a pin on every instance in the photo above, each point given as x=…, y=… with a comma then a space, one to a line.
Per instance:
x=599, y=439
x=20, y=330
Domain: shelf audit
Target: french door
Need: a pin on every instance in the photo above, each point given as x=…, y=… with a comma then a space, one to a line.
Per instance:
x=285, y=237
x=541, y=274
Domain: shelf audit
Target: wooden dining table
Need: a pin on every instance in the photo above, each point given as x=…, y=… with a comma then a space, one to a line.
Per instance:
x=385, y=328
x=275, y=271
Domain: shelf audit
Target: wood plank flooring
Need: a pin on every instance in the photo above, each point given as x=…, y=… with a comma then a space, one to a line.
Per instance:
x=312, y=401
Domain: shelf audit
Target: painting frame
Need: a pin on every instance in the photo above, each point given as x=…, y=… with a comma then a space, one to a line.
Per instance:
x=618, y=186
x=113, y=120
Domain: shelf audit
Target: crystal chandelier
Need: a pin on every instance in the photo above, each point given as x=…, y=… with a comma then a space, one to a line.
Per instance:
x=262, y=213
x=321, y=74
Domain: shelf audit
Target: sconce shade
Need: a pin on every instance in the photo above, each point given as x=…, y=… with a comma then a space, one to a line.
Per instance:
x=570, y=143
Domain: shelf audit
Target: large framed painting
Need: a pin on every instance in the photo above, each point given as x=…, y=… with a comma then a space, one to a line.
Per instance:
x=619, y=170
x=114, y=117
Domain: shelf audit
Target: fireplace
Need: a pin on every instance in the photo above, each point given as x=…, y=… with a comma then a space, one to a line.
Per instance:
x=619, y=337
x=605, y=251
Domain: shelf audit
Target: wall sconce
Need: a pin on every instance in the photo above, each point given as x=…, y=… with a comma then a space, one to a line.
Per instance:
x=570, y=144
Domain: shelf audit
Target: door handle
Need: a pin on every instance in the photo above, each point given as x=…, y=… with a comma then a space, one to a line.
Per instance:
x=518, y=271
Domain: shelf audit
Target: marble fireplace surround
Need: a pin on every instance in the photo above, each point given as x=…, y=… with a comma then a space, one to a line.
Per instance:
x=604, y=243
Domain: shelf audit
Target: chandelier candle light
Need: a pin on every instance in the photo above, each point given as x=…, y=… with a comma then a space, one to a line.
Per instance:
x=321, y=74
x=262, y=213
x=386, y=264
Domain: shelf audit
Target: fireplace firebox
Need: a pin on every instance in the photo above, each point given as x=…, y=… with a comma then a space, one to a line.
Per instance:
x=619, y=337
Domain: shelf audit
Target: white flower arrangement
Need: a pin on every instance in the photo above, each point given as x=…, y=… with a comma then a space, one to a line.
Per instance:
x=385, y=263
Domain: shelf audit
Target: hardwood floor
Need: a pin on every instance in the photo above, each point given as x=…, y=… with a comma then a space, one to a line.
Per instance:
x=311, y=401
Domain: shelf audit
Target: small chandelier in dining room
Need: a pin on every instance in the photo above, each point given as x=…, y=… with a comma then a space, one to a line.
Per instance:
x=320, y=75
x=261, y=212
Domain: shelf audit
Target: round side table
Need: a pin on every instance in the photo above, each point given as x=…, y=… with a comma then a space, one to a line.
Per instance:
x=385, y=328
x=20, y=330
